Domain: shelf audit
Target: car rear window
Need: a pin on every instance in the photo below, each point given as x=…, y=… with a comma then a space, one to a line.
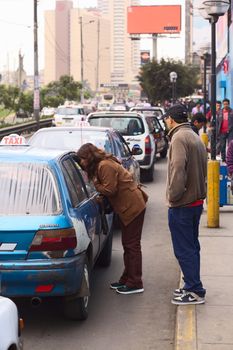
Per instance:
x=127, y=126
x=71, y=140
x=69, y=111
x=28, y=189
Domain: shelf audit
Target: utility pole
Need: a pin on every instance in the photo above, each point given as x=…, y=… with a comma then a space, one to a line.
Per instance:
x=36, y=101
x=98, y=55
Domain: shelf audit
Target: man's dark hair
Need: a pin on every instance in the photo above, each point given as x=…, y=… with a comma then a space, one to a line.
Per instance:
x=219, y=102
x=199, y=117
x=226, y=100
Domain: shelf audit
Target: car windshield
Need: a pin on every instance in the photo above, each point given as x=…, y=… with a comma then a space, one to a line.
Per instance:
x=126, y=125
x=28, y=189
x=71, y=140
x=69, y=111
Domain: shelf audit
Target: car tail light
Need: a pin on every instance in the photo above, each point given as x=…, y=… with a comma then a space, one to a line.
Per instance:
x=148, y=148
x=44, y=288
x=50, y=240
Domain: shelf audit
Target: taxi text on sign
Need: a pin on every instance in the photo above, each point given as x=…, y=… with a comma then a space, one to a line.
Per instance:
x=13, y=140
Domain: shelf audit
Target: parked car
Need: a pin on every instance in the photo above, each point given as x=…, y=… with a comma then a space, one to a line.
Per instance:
x=119, y=107
x=72, y=138
x=135, y=130
x=68, y=115
x=160, y=138
x=103, y=106
x=48, y=111
x=10, y=326
x=157, y=111
x=52, y=230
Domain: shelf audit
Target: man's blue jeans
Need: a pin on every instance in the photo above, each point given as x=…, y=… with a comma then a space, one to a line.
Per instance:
x=184, y=227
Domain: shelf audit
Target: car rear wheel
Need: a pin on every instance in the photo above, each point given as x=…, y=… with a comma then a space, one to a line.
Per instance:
x=76, y=308
x=149, y=174
x=105, y=256
x=163, y=154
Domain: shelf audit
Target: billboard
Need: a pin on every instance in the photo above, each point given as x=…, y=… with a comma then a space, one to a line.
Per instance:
x=162, y=19
x=145, y=57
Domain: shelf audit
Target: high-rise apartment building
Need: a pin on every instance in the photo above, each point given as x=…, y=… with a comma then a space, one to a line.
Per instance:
x=77, y=43
x=188, y=31
x=125, y=53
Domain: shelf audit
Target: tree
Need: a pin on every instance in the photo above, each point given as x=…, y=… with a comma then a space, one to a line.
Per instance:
x=57, y=92
x=155, y=80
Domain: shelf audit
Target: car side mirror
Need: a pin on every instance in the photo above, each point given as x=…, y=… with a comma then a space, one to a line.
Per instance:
x=136, y=151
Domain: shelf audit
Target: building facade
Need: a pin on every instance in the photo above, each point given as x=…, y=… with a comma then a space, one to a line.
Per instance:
x=77, y=43
x=224, y=58
x=125, y=53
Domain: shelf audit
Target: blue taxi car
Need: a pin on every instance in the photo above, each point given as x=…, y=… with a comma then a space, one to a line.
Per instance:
x=52, y=230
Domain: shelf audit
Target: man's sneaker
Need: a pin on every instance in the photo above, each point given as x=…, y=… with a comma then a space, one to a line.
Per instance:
x=178, y=292
x=189, y=298
x=128, y=290
x=116, y=285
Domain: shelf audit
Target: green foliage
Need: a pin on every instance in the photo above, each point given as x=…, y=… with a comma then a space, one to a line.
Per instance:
x=54, y=94
x=57, y=92
x=155, y=80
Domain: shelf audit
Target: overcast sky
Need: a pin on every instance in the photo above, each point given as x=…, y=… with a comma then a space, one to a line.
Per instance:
x=16, y=28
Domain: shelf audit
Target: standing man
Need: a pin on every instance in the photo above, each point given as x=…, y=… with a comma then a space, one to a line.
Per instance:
x=186, y=191
x=197, y=122
x=224, y=128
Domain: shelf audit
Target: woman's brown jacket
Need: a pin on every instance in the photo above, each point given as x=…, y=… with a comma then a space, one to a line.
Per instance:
x=117, y=184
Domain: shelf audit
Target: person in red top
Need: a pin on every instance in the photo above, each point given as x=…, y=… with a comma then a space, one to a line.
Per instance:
x=224, y=128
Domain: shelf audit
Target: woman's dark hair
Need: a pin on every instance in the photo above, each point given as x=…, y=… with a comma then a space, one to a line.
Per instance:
x=93, y=155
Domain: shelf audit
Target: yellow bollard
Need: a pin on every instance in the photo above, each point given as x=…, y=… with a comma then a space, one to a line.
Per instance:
x=213, y=193
x=204, y=138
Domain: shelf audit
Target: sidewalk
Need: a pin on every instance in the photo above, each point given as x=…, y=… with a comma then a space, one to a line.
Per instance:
x=210, y=326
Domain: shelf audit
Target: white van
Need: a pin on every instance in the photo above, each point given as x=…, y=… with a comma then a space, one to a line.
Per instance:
x=69, y=115
x=135, y=130
x=9, y=325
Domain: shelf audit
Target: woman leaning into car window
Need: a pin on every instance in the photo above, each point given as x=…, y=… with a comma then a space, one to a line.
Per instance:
x=128, y=201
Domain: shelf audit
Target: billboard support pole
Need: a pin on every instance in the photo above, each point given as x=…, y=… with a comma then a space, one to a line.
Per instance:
x=155, y=46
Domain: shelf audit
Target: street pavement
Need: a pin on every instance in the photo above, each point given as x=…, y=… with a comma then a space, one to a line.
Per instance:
x=210, y=326
x=126, y=322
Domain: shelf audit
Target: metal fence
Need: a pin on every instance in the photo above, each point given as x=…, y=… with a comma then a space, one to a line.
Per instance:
x=26, y=127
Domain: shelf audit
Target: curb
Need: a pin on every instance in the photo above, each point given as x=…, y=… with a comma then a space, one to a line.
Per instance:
x=186, y=332
x=186, y=327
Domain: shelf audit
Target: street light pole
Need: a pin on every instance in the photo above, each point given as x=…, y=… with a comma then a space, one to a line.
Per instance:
x=36, y=99
x=173, y=77
x=211, y=11
x=214, y=20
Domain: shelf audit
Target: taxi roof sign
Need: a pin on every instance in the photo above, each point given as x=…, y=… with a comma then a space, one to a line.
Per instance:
x=13, y=140
x=82, y=124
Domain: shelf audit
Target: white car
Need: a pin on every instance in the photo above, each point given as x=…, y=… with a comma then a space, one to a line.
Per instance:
x=135, y=130
x=69, y=115
x=10, y=326
x=103, y=106
x=48, y=111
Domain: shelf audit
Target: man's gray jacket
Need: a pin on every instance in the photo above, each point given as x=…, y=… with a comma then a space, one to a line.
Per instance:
x=187, y=167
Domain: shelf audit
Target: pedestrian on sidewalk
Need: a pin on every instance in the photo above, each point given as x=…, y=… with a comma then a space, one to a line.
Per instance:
x=224, y=128
x=128, y=200
x=197, y=122
x=186, y=191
